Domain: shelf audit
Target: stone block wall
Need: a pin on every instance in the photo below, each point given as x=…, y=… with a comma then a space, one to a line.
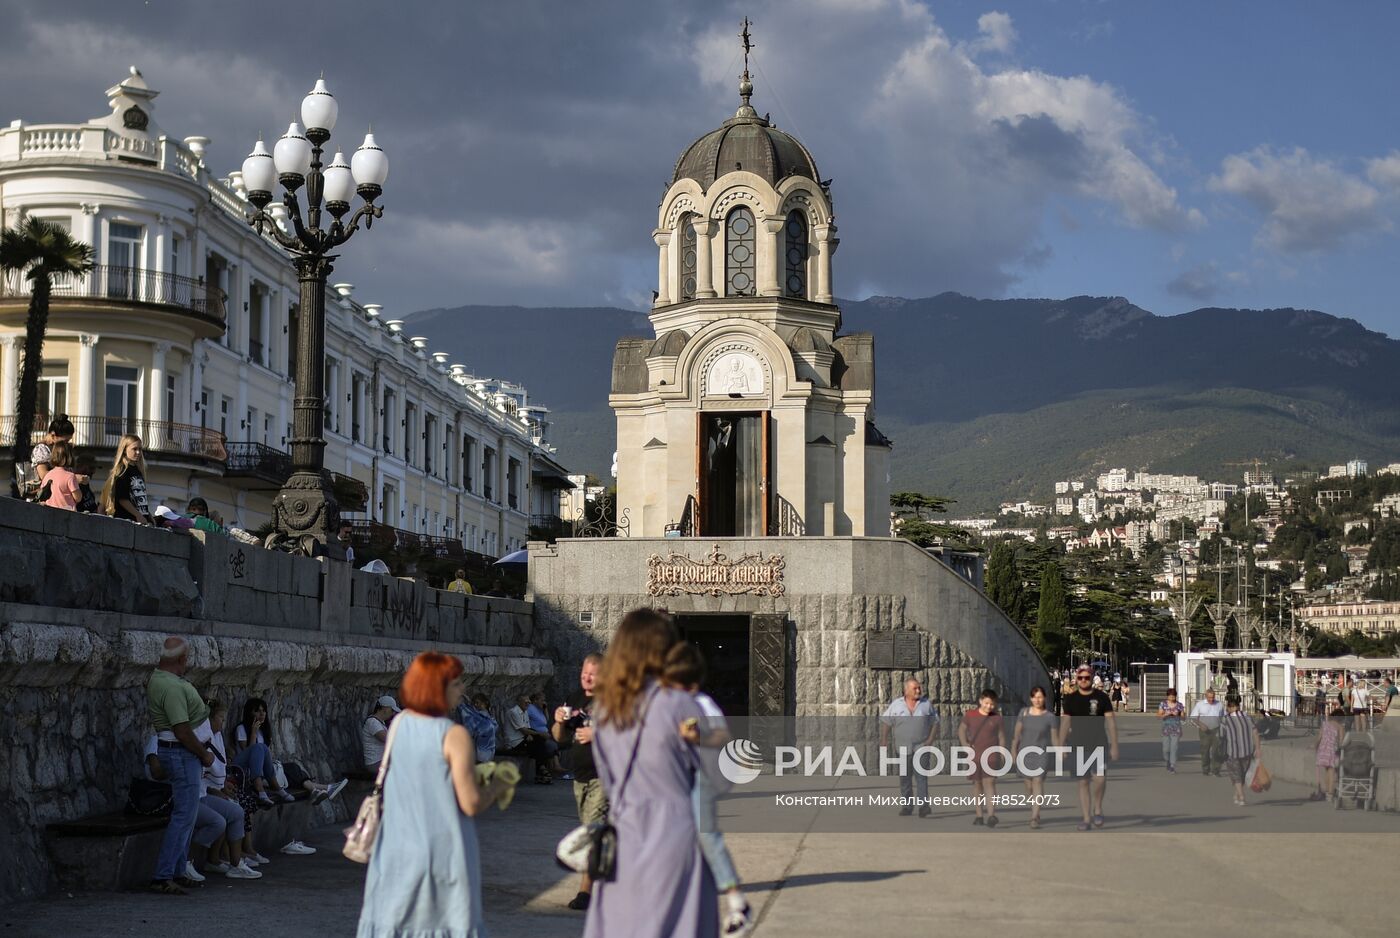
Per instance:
x=85, y=603
x=837, y=591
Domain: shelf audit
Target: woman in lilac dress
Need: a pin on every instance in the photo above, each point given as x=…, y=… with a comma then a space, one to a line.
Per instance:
x=662, y=887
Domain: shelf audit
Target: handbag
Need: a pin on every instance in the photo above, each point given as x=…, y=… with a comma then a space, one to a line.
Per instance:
x=592, y=848
x=279, y=775
x=360, y=837
x=148, y=798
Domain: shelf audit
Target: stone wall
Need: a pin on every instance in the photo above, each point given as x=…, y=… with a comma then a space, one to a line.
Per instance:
x=837, y=591
x=86, y=602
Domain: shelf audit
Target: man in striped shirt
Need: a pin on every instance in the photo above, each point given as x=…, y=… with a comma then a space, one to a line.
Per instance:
x=1239, y=738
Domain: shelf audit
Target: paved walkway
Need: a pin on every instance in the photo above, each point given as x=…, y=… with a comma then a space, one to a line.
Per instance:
x=1160, y=867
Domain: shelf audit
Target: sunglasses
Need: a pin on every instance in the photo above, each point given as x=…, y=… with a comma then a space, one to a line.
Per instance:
x=1085, y=677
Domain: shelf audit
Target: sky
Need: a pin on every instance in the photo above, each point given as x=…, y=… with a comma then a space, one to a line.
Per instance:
x=1182, y=154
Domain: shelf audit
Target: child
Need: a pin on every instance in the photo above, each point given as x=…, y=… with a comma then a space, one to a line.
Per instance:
x=685, y=669
x=1329, y=743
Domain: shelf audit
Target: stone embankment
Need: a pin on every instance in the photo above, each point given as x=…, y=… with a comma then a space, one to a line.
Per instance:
x=85, y=603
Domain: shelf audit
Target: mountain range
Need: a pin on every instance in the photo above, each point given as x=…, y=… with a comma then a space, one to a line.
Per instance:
x=995, y=400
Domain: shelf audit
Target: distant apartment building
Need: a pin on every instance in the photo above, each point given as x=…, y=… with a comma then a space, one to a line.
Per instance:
x=1115, y=480
x=1390, y=469
x=1061, y=488
x=1356, y=468
x=974, y=524
x=1371, y=618
x=1076, y=486
x=1226, y=490
x=1388, y=507
x=1332, y=496
x=1088, y=506
x=1064, y=505
x=1195, y=510
x=1164, y=482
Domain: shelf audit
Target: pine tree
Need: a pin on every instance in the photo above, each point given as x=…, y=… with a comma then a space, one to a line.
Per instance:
x=1052, y=619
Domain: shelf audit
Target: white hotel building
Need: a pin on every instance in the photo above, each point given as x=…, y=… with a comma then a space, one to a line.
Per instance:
x=181, y=334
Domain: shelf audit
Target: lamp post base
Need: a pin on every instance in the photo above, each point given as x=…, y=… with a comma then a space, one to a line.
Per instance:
x=306, y=505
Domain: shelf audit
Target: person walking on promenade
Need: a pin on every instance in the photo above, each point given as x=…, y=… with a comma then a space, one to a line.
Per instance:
x=1035, y=733
x=1207, y=715
x=662, y=887
x=980, y=730
x=1240, y=739
x=1329, y=746
x=573, y=727
x=911, y=720
x=1088, y=725
x=176, y=710
x=1170, y=712
x=424, y=877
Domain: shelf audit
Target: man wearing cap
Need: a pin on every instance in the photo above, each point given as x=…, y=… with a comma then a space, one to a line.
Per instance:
x=376, y=730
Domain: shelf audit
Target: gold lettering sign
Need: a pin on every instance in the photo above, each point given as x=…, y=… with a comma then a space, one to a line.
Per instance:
x=715, y=575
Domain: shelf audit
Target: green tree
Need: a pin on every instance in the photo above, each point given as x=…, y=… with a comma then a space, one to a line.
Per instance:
x=913, y=509
x=1004, y=585
x=1052, y=618
x=41, y=251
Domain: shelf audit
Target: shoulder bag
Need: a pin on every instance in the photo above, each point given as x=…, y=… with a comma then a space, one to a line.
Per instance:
x=592, y=848
x=361, y=836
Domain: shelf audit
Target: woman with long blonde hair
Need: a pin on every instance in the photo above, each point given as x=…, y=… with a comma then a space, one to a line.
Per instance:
x=661, y=885
x=124, y=492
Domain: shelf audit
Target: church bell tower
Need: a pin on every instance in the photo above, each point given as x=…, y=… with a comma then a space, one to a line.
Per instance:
x=747, y=413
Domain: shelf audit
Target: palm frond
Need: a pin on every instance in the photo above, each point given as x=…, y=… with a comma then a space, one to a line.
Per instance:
x=42, y=248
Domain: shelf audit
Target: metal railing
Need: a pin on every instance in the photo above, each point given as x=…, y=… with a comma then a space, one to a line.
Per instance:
x=161, y=437
x=127, y=284
x=382, y=538
x=258, y=461
x=686, y=526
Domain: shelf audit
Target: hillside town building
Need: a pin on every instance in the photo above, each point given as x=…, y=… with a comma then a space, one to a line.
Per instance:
x=1371, y=618
x=181, y=334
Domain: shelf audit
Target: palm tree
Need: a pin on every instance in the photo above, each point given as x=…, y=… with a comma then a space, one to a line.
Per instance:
x=42, y=250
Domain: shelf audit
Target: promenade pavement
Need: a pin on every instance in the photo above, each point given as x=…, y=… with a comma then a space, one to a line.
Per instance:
x=1175, y=857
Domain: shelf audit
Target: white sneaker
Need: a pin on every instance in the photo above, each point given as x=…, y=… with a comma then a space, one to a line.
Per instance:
x=220, y=867
x=243, y=871
x=337, y=788
x=255, y=859
x=298, y=848
x=192, y=873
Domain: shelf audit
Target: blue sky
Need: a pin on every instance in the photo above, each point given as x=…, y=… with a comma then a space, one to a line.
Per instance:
x=1181, y=154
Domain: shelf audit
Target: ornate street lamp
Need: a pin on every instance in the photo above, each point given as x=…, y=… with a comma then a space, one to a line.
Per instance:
x=306, y=504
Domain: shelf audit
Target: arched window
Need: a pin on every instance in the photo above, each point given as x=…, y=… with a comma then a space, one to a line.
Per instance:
x=739, y=246
x=795, y=231
x=688, y=251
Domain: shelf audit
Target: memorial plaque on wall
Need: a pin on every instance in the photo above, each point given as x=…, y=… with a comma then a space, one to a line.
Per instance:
x=879, y=651
x=908, y=651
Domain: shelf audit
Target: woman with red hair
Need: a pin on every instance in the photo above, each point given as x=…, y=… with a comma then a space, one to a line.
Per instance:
x=424, y=875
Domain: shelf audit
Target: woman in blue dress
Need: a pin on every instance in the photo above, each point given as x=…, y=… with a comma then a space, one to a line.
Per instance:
x=424, y=877
x=662, y=887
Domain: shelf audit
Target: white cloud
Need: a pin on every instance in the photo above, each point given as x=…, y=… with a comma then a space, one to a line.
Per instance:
x=1308, y=203
x=1385, y=171
x=998, y=33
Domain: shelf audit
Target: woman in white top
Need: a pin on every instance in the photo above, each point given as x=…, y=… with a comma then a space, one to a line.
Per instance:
x=253, y=753
x=221, y=797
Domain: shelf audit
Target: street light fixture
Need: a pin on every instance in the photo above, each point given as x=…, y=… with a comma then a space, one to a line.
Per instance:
x=306, y=503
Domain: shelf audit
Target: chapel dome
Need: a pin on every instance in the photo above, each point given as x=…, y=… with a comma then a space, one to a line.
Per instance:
x=747, y=142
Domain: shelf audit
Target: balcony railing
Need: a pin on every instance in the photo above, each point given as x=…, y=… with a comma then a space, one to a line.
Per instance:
x=158, y=437
x=257, y=461
x=385, y=539
x=128, y=285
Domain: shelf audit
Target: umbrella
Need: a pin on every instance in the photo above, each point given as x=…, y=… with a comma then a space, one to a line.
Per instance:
x=514, y=558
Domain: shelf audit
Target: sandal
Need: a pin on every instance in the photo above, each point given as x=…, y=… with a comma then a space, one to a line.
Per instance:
x=1082, y=826
x=1035, y=823
x=993, y=821
x=978, y=820
x=166, y=888
x=1098, y=820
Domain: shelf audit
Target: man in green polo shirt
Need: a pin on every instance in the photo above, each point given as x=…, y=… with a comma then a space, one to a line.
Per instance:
x=178, y=714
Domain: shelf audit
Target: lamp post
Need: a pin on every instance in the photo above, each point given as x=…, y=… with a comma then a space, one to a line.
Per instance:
x=306, y=503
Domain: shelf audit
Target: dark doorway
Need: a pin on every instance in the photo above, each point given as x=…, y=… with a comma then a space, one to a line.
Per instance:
x=724, y=641
x=733, y=474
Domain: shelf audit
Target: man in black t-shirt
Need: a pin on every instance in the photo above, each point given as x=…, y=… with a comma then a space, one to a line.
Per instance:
x=573, y=727
x=1087, y=726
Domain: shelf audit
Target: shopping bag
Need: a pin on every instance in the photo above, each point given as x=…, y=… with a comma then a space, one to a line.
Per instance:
x=1259, y=777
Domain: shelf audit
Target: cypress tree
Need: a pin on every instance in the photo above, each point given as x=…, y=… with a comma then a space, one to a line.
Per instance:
x=1052, y=618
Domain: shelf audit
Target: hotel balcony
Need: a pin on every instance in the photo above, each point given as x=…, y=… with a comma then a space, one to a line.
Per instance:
x=113, y=288
x=164, y=442
x=260, y=467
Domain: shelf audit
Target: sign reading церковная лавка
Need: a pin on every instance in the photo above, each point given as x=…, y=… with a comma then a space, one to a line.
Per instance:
x=715, y=574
